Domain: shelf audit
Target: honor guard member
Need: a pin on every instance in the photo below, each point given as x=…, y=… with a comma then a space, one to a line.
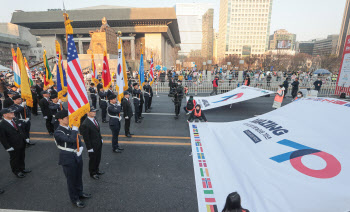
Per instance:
x=142, y=101
x=14, y=142
x=22, y=115
x=7, y=90
x=147, y=94
x=178, y=98
x=93, y=94
x=150, y=98
x=99, y=86
x=45, y=110
x=70, y=158
x=114, y=110
x=110, y=91
x=91, y=131
x=8, y=101
x=55, y=105
x=103, y=104
x=136, y=93
x=127, y=110
x=34, y=109
x=53, y=90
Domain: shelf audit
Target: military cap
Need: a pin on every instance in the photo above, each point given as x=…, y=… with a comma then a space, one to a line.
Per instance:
x=134, y=84
x=61, y=114
x=126, y=93
x=44, y=92
x=53, y=96
x=113, y=96
x=93, y=109
x=17, y=96
x=6, y=110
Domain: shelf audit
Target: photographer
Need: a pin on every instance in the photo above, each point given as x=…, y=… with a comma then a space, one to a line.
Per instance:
x=178, y=95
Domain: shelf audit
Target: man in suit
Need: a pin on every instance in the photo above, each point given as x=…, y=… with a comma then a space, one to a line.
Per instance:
x=55, y=106
x=70, y=158
x=8, y=101
x=114, y=110
x=150, y=98
x=45, y=110
x=103, y=104
x=127, y=109
x=93, y=94
x=13, y=140
x=22, y=115
x=91, y=132
x=147, y=88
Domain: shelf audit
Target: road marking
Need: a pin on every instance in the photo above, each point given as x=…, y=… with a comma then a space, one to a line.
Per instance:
x=134, y=136
x=125, y=142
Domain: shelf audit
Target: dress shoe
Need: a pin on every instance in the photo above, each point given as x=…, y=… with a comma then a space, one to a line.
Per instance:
x=79, y=204
x=51, y=133
x=95, y=177
x=2, y=191
x=26, y=171
x=128, y=135
x=138, y=121
x=20, y=175
x=120, y=148
x=30, y=143
x=85, y=196
x=117, y=151
x=100, y=172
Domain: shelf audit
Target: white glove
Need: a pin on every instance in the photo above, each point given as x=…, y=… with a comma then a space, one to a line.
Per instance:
x=75, y=128
x=120, y=118
x=126, y=117
x=45, y=117
x=27, y=119
x=91, y=150
x=102, y=140
x=80, y=151
x=10, y=149
x=59, y=101
x=24, y=104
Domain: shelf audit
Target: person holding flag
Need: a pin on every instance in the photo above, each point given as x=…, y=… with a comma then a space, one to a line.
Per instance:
x=48, y=76
x=122, y=79
x=61, y=75
x=106, y=82
x=16, y=70
x=67, y=139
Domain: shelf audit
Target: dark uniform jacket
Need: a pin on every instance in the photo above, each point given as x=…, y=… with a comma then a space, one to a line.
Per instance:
x=127, y=109
x=8, y=102
x=103, y=99
x=67, y=138
x=113, y=112
x=19, y=112
x=38, y=89
x=109, y=93
x=54, y=108
x=136, y=95
x=44, y=105
x=10, y=136
x=6, y=93
x=93, y=93
x=91, y=134
x=148, y=90
x=99, y=87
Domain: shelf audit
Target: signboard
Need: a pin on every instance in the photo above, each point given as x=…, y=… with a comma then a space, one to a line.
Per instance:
x=343, y=82
x=284, y=44
x=239, y=94
x=285, y=160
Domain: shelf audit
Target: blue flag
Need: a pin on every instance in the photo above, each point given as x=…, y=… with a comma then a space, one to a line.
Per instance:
x=141, y=72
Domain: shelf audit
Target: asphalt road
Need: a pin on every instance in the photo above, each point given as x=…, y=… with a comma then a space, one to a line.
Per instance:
x=154, y=173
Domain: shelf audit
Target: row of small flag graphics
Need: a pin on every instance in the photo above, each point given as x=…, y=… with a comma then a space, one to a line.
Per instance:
x=206, y=182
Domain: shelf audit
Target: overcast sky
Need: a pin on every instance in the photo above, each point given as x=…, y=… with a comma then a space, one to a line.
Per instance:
x=308, y=19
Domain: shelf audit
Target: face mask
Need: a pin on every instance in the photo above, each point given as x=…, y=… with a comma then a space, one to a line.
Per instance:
x=299, y=95
x=179, y=83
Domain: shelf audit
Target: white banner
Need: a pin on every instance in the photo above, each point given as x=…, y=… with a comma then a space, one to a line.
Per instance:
x=295, y=158
x=239, y=94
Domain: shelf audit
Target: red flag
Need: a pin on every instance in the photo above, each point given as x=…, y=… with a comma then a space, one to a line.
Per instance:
x=106, y=74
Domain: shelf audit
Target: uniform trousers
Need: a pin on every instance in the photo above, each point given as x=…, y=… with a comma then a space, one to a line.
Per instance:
x=127, y=126
x=17, y=160
x=73, y=173
x=115, y=133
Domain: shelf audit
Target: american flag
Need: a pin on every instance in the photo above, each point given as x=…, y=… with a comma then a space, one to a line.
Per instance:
x=151, y=71
x=78, y=103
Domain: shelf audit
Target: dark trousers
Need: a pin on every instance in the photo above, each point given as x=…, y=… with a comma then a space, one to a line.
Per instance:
x=140, y=110
x=215, y=91
x=49, y=125
x=115, y=133
x=146, y=103
x=34, y=109
x=177, y=108
x=17, y=160
x=94, y=102
x=137, y=111
x=73, y=173
x=127, y=126
x=94, y=162
x=55, y=125
x=150, y=102
x=26, y=128
x=104, y=113
x=285, y=92
x=294, y=93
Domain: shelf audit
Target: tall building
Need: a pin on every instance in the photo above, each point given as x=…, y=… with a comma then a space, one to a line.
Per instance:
x=345, y=29
x=282, y=39
x=306, y=47
x=215, y=48
x=189, y=17
x=326, y=46
x=208, y=34
x=244, y=27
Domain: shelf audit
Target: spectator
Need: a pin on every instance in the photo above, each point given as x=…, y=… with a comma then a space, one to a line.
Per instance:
x=285, y=85
x=215, y=86
x=268, y=79
x=318, y=84
x=233, y=203
x=295, y=87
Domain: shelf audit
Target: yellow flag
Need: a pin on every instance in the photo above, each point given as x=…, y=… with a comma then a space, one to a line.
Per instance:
x=26, y=93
